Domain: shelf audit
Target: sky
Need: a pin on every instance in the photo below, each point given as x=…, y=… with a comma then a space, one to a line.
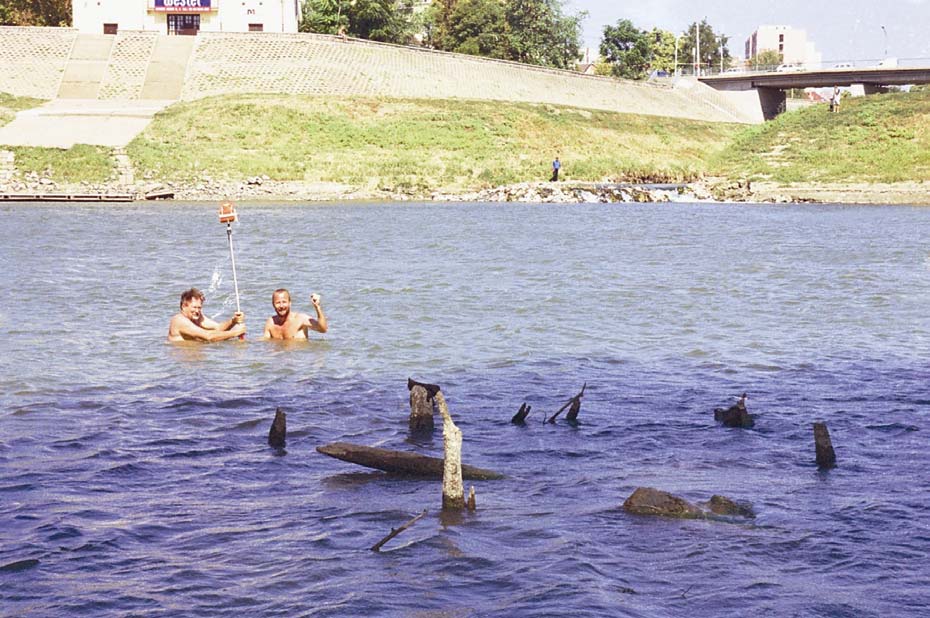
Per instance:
x=841, y=30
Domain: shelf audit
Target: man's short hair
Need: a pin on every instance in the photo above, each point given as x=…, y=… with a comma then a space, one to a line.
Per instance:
x=280, y=291
x=191, y=294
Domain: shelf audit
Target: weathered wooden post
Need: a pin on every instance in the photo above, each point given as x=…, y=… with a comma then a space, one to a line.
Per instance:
x=826, y=457
x=421, y=406
x=277, y=436
x=453, y=490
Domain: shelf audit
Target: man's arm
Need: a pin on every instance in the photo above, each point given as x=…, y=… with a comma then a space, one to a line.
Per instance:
x=319, y=324
x=209, y=324
x=268, y=324
x=188, y=330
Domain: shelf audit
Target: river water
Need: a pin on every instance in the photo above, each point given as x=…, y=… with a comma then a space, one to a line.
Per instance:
x=136, y=479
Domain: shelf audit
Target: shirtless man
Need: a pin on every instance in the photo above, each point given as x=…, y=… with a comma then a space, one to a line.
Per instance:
x=287, y=325
x=190, y=324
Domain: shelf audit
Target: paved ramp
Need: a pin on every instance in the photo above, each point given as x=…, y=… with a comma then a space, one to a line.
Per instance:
x=166, y=70
x=62, y=123
x=86, y=67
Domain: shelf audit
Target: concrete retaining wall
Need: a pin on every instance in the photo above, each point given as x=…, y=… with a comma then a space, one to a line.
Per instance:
x=33, y=60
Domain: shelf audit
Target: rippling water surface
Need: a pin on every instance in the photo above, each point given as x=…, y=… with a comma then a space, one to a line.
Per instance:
x=136, y=479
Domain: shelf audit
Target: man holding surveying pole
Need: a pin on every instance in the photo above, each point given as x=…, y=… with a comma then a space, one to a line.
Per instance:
x=190, y=324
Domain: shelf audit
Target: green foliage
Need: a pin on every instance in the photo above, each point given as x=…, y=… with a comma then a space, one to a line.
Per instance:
x=712, y=45
x=80, y=163
x=35, y=13
x=479, y=28
x=377, y=20
x=627, y=49
x=529, y=31
x=416, y=144
x=879, y=138
x=10, y=104
x=662, y=44
x=766, y=60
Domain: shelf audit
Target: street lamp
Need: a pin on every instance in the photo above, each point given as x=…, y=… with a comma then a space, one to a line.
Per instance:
x=885, y=32
x=721, y=53
x=676, y=54
x=697, y=49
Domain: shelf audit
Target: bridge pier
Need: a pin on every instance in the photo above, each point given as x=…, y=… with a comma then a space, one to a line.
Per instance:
x=874, y=89
x=773, y=102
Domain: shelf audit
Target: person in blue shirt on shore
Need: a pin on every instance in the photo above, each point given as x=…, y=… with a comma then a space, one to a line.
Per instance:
x=556, y=166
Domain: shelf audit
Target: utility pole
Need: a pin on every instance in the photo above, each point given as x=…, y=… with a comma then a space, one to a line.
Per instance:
x=885, y=32
x=697, y=49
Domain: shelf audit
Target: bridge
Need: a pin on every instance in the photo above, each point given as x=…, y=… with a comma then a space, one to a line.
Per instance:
x=771, y=86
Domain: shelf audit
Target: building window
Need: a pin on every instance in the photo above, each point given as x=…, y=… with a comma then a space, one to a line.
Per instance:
x=110, y=28
x=781, y=38
x=256, y=28
x=183, y=24
x=781, y=47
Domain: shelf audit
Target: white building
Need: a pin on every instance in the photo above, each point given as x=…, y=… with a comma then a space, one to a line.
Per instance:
x=185, y=16
x=791, y=43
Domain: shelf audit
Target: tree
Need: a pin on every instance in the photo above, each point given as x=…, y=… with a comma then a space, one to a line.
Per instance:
x=662, y=43
x=626, y=48
x=376, y=20
x=766, y=60
x=35, y=12
x=711, y=45
x=479, y=27
x=530, y=31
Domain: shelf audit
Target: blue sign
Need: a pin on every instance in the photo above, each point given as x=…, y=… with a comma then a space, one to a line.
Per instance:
x=182, y=6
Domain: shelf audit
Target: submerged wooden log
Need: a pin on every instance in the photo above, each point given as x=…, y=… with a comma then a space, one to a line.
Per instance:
x=453, y=489
x=401, y=462
x=826, y=457
x=520, y=417
x=736, y=415
x=575, y=403
x=277, y=436
x=395, y=531
x=421, y=409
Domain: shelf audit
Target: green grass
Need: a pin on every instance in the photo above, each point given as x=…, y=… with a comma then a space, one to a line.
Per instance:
x=9, y=105
x=80, y=163
x=879, y=138
x=417, y=144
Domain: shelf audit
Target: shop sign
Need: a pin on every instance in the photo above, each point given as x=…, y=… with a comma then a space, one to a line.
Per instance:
x=182, y=6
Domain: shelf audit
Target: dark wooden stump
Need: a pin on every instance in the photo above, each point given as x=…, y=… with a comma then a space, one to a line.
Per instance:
x=520, y=417
x=826, y=457
x=575, y=403
x=422, y=401
x=736, y=415
x=277, y=436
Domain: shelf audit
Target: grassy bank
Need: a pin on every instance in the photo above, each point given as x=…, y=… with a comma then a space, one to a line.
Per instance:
x=420, y=146
x=416, y=145
x=81, y=163
x=879, y=138
x=9, y=105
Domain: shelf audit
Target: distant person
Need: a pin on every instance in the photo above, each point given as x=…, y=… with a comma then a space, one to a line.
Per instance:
x=287, y=325
x=190, y=324
x=556, y=166
x=835, y=101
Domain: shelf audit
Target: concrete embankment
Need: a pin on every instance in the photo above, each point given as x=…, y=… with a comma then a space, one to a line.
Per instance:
x=60, y=63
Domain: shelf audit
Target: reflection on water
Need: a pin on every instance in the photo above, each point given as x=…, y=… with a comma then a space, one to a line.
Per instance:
x=144, y=467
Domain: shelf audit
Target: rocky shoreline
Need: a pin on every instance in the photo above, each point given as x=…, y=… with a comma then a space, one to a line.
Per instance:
x=261, y=188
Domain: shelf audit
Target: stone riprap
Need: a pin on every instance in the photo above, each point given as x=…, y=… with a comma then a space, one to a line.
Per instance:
x=33, y=62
